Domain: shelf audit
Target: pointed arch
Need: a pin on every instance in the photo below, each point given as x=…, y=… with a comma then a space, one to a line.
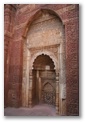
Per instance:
x=48, y=53
x=48, y=87
x=36, y=15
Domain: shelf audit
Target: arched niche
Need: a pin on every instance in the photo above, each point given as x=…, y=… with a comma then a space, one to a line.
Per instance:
x=38, y=13
x=43, y=81
x=44, y=34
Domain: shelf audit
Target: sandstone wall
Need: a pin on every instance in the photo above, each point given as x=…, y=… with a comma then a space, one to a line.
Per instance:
x=17, y=21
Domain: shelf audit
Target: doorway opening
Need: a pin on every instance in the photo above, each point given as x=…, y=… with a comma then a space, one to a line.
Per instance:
x=44, y=81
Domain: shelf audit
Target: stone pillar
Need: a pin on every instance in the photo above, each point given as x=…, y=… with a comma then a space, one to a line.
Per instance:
x=25, y=82
x=30, y=88
x=57, y=93
x=39, y=90
x=39, y=87
x=62, y=80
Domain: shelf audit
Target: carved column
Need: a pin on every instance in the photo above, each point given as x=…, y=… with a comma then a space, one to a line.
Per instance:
x=57, y=92
x=37, y=87
x=39, y=90
x=30, y=88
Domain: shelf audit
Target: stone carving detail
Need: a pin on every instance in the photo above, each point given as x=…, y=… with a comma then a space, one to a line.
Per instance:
x=52, y=48
x=48, y=79
x=48, y=75
x=48, y=94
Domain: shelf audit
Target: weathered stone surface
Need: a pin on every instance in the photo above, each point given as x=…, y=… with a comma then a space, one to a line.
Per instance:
x=31, y=30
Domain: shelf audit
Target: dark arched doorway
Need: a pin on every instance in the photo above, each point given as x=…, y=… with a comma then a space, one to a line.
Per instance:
x=44, y=81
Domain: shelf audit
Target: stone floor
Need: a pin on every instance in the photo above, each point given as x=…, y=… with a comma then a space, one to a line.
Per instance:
x=38, y=110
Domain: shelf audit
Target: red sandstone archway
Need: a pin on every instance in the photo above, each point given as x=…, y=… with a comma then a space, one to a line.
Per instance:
x=57, y=59
x=36, y=15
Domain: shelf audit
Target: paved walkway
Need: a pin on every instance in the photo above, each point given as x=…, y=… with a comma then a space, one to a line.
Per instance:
x=38, y=110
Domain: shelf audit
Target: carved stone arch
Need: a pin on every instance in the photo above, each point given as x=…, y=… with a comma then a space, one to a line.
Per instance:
x=36, y=50
x=48, y=93
x=48, y=85
x=35, y=15
x=44, y=84
x=50, y=54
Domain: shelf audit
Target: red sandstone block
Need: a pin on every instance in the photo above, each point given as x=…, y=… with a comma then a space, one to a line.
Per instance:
x=71, y=111
x=72, y=25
